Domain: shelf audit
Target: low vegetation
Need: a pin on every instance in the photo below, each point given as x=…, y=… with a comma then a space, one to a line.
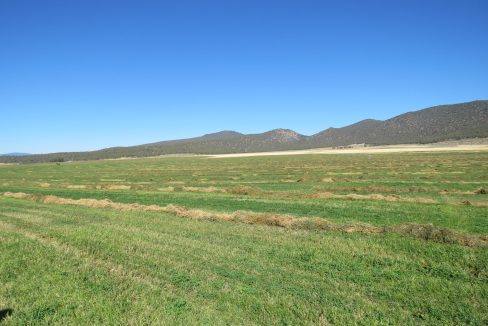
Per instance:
x=308, y=239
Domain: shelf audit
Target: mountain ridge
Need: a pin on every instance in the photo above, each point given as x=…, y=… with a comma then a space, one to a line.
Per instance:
x=15, y=154
x=433, y=124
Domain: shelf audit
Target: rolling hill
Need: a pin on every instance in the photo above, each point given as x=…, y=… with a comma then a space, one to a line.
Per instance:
x=439, y=123
x=15, y=154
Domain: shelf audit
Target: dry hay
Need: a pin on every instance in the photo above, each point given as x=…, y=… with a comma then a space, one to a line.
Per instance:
x=18, y=195
x=167, y=189
x=76, y=187
x=480, y=204
x=372, y=197
x=421, y=200
x=288, y=180
x=202, y=189
x=116, y=187
x=480, y=191
x=98, y=203
x=474, y=203
x=244, y=190
x=390, y=198
x=327, y=180
x=44, y=185
x=437, y=234
x=422, y=231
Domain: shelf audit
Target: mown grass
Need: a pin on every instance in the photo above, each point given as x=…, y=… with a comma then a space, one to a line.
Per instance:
x=66, y=264
x=78, y=265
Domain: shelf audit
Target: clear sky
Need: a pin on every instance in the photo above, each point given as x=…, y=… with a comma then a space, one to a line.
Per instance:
x=83, y=74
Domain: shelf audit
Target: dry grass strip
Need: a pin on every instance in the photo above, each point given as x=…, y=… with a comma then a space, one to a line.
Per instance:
x=392, y=198
x=202, y=189
x=422, y=231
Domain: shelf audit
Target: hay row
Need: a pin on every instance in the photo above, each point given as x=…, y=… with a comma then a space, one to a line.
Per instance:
x=421, y=231
x=389, y=198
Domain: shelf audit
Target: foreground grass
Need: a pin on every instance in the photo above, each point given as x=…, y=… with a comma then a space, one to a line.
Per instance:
x=62, y=264
x=68, y=264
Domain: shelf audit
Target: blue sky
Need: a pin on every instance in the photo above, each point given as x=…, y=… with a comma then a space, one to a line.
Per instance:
x=82, y=74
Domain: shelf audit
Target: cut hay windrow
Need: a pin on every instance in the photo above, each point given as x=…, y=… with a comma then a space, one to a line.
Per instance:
x=202, y=189
x=422, y=231
x=391, y=198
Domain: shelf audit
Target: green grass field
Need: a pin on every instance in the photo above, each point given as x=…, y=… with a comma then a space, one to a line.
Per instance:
x=73, y=264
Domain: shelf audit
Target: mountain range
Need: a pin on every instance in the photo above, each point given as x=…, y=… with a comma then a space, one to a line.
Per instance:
x=439, y=123
x=15, y=154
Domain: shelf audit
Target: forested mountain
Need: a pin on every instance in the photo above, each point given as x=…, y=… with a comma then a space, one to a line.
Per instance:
x=439, y=123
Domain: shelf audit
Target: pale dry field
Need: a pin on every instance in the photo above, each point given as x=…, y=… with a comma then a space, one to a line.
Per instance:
x=481, y=145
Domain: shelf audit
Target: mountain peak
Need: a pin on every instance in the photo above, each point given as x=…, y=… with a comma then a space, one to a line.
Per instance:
x=283, y=135
x=224, y=134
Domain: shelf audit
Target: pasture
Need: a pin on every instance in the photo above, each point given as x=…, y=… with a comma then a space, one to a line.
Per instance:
x=306, y=239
